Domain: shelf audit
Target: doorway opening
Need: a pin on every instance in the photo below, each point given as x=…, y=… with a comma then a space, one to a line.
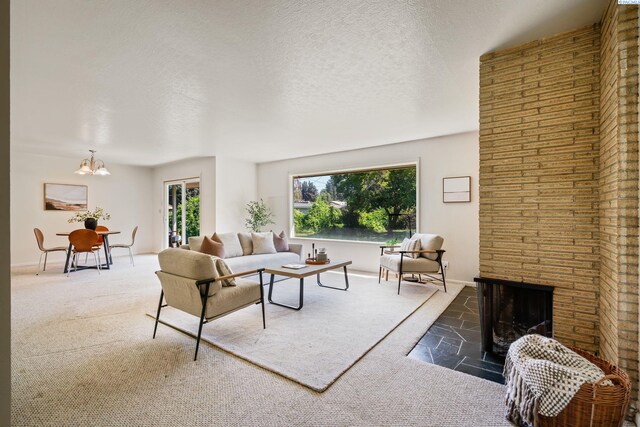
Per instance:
x=182, y=211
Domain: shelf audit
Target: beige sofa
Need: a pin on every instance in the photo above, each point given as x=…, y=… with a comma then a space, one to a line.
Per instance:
x=239, y=252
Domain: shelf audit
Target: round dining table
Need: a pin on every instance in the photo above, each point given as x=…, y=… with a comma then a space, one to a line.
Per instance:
x=107, y=251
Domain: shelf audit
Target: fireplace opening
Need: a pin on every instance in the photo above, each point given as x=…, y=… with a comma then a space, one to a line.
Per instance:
x=509, y=310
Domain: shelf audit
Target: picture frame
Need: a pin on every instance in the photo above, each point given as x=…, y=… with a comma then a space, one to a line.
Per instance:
x=456, y=189
x=65, y=197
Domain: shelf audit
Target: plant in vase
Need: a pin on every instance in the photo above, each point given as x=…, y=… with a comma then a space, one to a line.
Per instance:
x=90, y=218
x=258, y=215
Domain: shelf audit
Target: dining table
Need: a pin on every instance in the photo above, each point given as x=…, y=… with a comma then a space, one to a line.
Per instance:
x=107, y=251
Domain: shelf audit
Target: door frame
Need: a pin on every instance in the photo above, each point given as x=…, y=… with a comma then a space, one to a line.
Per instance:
x=183, y=201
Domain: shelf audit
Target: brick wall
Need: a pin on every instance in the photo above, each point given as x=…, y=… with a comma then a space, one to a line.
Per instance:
x=539, y=170
x=559, y=178
x=619, y=187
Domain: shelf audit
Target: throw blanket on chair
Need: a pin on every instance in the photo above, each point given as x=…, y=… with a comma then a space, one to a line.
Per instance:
x=542, y=377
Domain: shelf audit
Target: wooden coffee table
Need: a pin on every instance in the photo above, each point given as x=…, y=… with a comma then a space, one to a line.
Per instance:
x=307, y=271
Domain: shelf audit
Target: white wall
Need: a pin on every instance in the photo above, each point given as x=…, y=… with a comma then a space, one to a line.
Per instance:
x=203, y=168
x=454, y=155
x=236, y=185
x=126, y=195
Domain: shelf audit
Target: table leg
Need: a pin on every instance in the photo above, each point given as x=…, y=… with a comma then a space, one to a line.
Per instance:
x=346, y=280
x=66, y=263
x=107, y=251
x=300, y=302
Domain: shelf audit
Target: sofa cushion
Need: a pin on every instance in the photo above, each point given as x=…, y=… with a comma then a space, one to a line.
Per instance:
x=246, y=243
x=410, y=245
x=263, y=243
x=409, y=265
x=211, y=247
x=231, y=244
x=254, y=262
x=430, y=241
x=229, y=299
x=195, y=242
x=281, y=242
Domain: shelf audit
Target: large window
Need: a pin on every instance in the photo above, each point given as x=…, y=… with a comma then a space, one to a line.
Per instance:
x=375, y=205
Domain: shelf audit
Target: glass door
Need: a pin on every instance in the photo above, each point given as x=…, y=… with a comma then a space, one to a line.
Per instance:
x=182, y=211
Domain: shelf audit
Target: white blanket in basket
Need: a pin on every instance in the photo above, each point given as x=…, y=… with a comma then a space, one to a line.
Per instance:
x=543, y=376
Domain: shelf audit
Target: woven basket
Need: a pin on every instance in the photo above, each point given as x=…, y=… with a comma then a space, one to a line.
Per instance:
x=595, y=404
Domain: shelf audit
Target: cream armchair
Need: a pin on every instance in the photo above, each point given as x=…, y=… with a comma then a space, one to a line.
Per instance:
x=190, y=282
x=426, y=261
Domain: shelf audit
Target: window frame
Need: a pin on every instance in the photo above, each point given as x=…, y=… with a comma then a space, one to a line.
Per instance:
x=399, y=165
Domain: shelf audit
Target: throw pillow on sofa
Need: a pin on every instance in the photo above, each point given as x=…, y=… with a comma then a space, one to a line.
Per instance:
x=212, y=247
x=410, y=245
x=246, y=243
x=231, y=244
x=195, y=242
x=223, y=270
x=280, y=242
x=263, y=243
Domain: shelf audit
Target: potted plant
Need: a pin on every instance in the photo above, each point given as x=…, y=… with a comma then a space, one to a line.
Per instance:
x=90, y=218
x=258, y=215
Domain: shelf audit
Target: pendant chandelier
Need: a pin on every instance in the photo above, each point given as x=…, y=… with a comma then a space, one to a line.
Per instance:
x=92, y=166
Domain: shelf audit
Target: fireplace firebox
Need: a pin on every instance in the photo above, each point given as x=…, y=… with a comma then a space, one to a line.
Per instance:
x=509, y=310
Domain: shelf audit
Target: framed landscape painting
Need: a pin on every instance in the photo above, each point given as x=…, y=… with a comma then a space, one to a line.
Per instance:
x=65, y=197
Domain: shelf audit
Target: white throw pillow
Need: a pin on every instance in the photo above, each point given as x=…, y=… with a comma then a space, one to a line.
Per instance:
x=263, y=243
x=231, y=244
x=410, y=245
x=195, y=242
x=246, y=243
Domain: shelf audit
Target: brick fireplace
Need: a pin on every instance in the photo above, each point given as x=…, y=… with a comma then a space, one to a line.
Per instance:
x=559, y=178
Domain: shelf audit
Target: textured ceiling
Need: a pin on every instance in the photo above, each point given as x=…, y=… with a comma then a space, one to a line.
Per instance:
x=147, y=82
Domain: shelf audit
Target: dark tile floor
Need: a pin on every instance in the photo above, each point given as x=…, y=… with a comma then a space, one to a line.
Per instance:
x=453, y=341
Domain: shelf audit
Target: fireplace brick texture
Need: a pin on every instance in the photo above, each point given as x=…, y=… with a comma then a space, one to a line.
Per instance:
x=539, y=171
x=618, y=187
x=559, y=178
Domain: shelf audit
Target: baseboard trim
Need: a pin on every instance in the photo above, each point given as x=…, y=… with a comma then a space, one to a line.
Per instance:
x=60, y=263
x=462, y=282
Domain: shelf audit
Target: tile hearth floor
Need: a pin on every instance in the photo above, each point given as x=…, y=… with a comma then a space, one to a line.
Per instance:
x=453, y=341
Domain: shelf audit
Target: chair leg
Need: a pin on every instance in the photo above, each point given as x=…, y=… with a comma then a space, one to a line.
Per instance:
x=72, y=263
x=97, y=264
x=400, y=274
x=46, y=254
x=204, y=307
x=131, y=256
x=443, y=279
x=39, y=263
x=86, y=258
x=387, y=275
x=379, y=274
x=155, y=327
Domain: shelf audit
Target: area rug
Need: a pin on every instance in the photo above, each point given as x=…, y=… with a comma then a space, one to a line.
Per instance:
x=316, y=345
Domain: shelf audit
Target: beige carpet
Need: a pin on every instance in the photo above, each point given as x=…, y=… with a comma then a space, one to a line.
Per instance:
x=317, y=344
x=83, y=356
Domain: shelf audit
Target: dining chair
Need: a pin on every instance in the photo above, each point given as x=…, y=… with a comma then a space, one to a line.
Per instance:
x=100, y=239
x=84, y=241
x=122, y=245
x=45, y=251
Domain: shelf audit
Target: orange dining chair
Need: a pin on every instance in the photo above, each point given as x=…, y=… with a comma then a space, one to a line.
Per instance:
x=100, y=239
x=84, y=241
x=122, y=245
x=45, y=251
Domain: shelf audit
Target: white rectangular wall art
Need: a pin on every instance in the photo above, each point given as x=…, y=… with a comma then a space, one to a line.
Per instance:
x=456, y=189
